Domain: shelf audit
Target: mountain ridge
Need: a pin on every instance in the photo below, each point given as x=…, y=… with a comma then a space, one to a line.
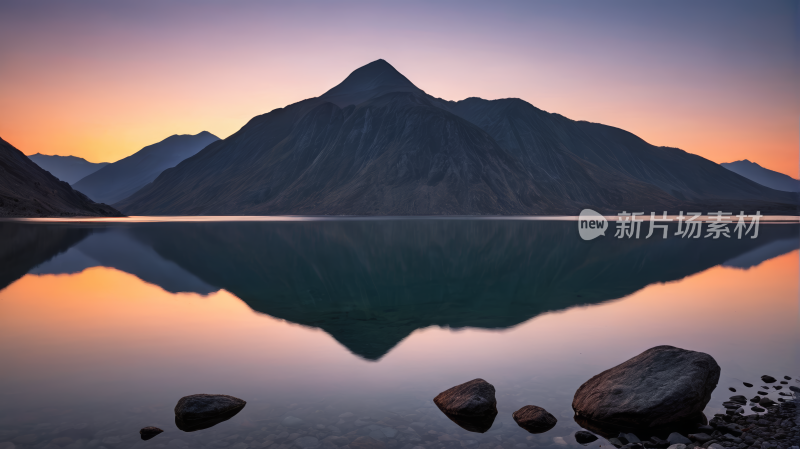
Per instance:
x=70, y=169
x=124, y=177
x=375, y=144
x=764, y=176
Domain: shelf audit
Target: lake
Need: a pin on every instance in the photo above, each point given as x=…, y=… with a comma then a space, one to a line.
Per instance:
x=350, y=327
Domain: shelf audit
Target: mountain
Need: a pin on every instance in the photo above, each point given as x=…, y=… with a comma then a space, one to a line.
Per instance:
x=27, y=190
x=119, y=180
x=377, y=145
x=70, y=169
x=764, y=176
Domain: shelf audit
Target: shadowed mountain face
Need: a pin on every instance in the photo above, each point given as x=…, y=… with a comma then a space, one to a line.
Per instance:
x=70, y=169
x=119, y=180
x=378, y=145
x=27, y=190
x=763, y=176
x=371, y=283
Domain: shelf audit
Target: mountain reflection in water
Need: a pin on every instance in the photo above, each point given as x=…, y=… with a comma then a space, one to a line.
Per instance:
x=371, y=283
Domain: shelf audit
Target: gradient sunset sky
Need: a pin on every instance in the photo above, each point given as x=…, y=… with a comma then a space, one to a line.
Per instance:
x=101, y=80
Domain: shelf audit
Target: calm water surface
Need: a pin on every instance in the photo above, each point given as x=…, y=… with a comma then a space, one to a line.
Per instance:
x=351, y=327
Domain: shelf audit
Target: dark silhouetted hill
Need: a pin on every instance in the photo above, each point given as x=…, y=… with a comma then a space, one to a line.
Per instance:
x=27, y=190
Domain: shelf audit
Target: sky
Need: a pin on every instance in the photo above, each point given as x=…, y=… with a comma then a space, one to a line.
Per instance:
x=100, y=80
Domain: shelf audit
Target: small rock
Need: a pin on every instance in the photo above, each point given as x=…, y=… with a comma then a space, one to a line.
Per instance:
x=787, y=377
x=534, y=419
x=366, y=443
x=715, y=446
x=632, y=439
x=763, y=393
x=767, y=379
x=748, y=385
x=291, y=421
x=732, y=389
x=739, y=398
x=795, y=389
x=307, y=442
x=757, y=409
x=584, y=437
x=777, y=387
x=676, y=438
x=473, y=398
x=149, y=432
x=677, y=446
x=767, y=402
x=700, y=437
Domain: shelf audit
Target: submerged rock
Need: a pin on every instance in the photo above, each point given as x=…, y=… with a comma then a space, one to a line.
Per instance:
x=534, y=419
x=660, y=387
x=473, y=398
x=768, y=379
x=201, y=411
x=149, y=432
x=584, y=437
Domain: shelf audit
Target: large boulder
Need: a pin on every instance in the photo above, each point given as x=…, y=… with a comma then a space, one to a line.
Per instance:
x=471, y=405
x=660, y=387
x=201, y=411
x=473, y=398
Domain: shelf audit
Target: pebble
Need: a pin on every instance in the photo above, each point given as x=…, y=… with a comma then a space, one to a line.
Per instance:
x=768, y=379
x=732, y=389
x=748, y=385
x=787, y=377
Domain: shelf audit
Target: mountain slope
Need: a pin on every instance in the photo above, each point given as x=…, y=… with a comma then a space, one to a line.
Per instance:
x=70, y=169
x=377, y=145
x=27, y=190
x=124, y=177
x=766, y=177
x=533, y=135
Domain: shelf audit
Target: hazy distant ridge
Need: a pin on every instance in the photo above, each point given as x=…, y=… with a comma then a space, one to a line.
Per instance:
x=764, y=176
x=119, y=180
x=70, y=169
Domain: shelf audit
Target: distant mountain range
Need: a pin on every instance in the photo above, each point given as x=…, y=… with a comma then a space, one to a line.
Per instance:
x=763, y=176
x=70, y=169
x=378, y=145
x=27, y=190
x=119, y=180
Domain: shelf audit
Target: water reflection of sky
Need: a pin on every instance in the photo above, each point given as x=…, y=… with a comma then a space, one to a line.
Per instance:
x=113, y=349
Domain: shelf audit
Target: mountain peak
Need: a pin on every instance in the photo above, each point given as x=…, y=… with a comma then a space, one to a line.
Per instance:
x=369, y=81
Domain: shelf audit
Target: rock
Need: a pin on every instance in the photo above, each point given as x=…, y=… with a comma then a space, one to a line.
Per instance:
x=677, y=446
x=661, y=386
x=739, y=398
x=584, y=437
x=630, y=438
x=149, y=432
x=748, y=385
x=291, y=421
x=473, y=398
x=777, y=387
x=757, y=409
x=366, y=443
x=762, y=393
x=732, y=389
x=615, y=442
x=795, y=389
x=306, y=442
x=201, y=411
x=767, y=402
x=715, y=446
x=756, y=399
x=767, y=379
x=534, y=419
x=700, y=437
x=676, y=438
